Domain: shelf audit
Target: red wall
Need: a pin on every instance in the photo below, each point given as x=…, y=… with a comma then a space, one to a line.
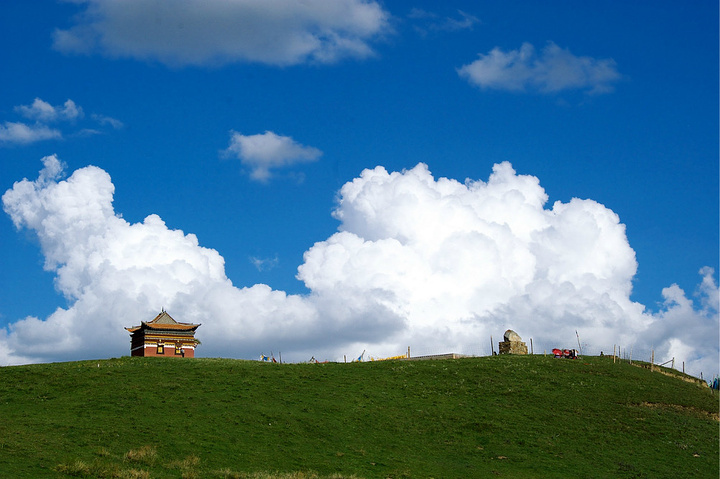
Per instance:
x=169, y=352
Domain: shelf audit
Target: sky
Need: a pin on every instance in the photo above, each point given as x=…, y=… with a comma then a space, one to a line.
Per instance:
x=318, y=179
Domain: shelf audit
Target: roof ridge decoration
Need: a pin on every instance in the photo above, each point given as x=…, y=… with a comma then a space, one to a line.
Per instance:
x=164, y=321
x=164, y=318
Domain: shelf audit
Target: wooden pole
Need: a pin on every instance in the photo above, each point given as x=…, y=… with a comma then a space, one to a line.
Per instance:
x=531, y=347
x=652, y=360
x=492, y=348
x=613, y=354
x=344, y=357
x=408, y=356
x=578, y=338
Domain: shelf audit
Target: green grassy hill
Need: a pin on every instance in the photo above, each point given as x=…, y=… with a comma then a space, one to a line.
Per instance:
x=502, y=416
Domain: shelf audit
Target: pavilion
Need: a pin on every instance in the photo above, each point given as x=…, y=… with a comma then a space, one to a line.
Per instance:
x=163, y=336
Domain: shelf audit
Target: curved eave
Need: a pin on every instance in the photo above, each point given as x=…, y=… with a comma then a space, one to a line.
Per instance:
x=172, y=327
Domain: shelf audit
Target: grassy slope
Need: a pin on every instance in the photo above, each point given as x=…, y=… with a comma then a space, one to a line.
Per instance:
x=510, y=416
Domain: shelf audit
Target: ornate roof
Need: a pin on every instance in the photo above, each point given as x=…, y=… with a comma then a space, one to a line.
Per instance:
x=164, y=321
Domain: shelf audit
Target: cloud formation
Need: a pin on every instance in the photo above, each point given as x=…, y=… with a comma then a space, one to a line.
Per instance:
x=106, y=120
x=21, y=133
x=198, y=32
x=554, y=69
x=431, y=22
x=436, y=264
x=264, y=264
x=43, y=114
x=264, y=152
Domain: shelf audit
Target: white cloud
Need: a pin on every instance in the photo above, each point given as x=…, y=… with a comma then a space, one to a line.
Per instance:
x=462, y=260
x=428, y=21
x=106, y=120
x=465, y=22
x=21, y=133
x=121, y=272
x=264, y=264
x=687, y=331
x=434, y=264
x=44, y=112
x=197, y=32
x=555, y=69
x=267, y=151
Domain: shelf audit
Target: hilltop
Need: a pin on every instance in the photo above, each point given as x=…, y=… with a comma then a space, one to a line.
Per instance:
x=504, y=416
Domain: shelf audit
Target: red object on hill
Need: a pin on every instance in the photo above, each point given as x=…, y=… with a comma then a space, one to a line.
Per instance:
x=565, y=353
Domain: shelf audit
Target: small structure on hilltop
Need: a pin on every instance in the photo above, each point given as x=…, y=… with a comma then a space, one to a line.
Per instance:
x=512, y=344
x=163, y=336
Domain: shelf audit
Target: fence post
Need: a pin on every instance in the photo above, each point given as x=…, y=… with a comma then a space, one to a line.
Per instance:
x=652, y=360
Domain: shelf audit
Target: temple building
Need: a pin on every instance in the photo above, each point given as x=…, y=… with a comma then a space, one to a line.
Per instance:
x=163, y=336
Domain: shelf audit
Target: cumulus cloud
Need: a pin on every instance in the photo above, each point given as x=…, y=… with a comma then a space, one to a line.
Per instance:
x=435, y=264
x=698, y=334
x=554, y=69
x=115, y=273
x=44, y=114
x=267, y=151
x=197, y=32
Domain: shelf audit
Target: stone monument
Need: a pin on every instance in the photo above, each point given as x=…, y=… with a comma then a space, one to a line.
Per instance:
x=513, y=344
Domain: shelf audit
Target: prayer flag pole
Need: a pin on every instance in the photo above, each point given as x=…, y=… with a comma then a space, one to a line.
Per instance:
x=578, y=338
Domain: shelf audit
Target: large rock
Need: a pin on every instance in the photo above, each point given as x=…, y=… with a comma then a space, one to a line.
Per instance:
x=511, y=335
x=513, y=344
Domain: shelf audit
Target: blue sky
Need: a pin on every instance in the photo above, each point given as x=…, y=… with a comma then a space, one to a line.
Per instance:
x=240, y=122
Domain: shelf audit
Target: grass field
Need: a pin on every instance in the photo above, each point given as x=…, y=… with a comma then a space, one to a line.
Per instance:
x=501, y=416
